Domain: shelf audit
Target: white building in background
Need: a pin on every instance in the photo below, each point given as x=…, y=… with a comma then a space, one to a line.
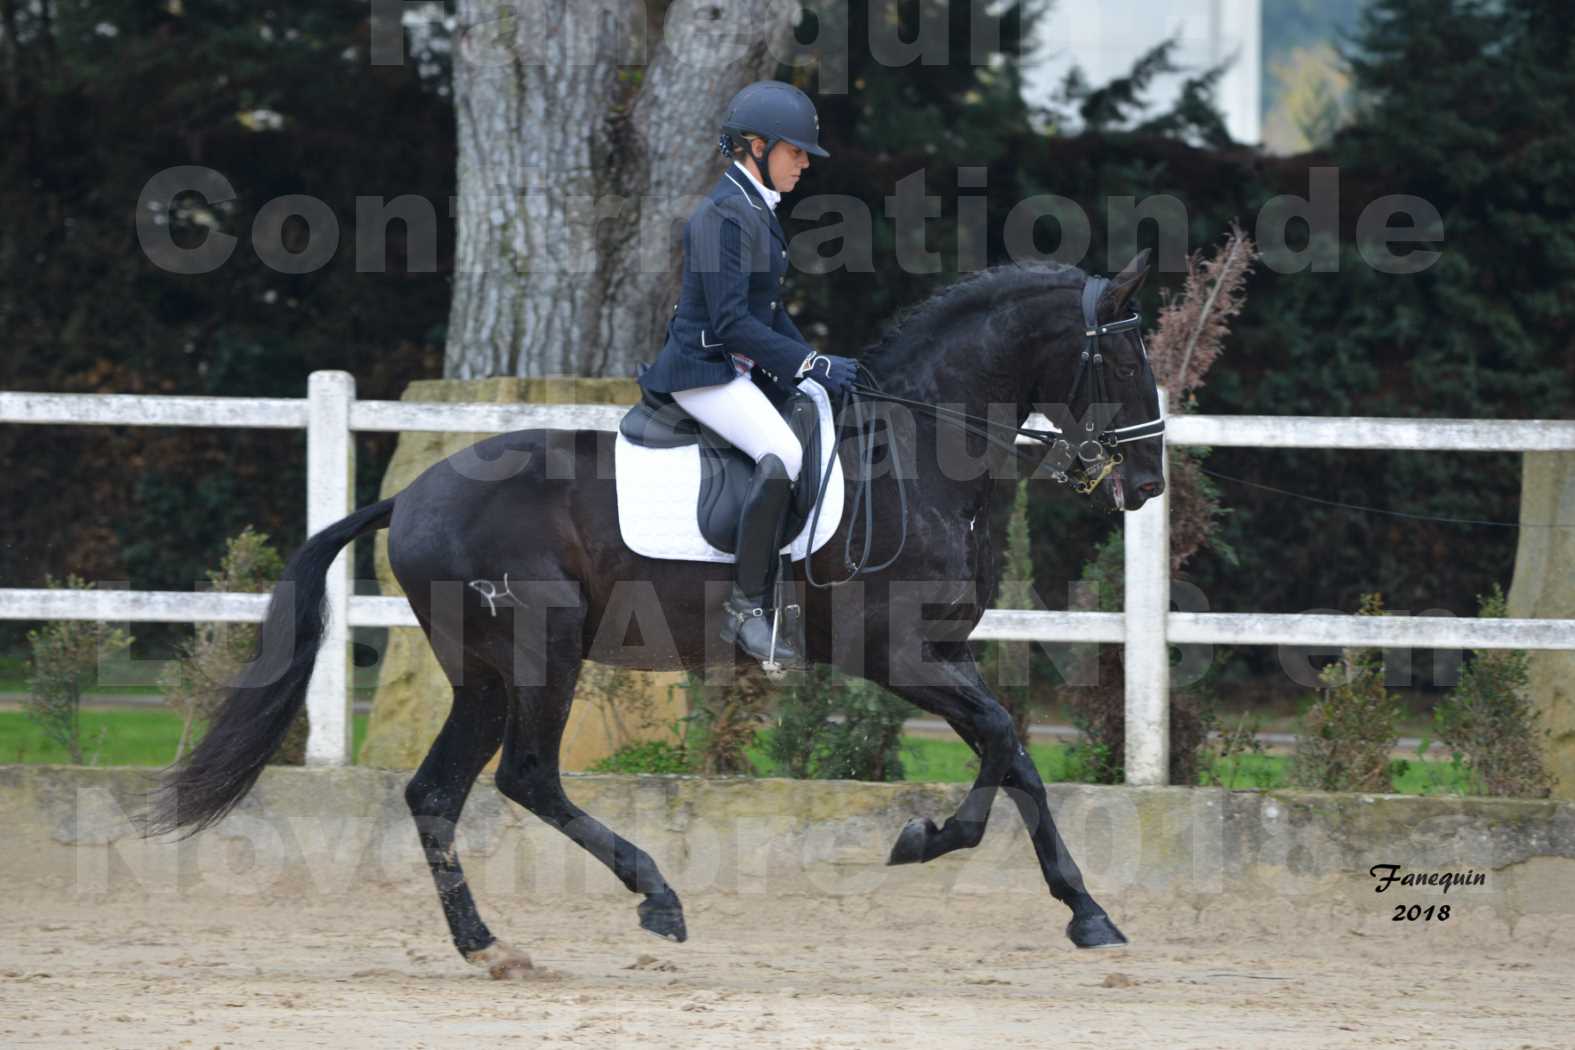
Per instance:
x=1105, y=37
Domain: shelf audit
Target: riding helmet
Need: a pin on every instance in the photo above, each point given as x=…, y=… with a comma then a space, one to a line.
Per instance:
x=776, y=111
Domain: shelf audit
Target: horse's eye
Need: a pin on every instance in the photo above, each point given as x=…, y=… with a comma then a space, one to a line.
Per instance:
x=1125, y=372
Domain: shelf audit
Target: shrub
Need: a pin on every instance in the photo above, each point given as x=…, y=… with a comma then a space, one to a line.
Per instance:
x=650, y=756
x=1233, y=758
x=65, y=658
x=1230, y=755
x=1099, y=711
x=1490, y=723
x=632, y=722
x=1347, y=735
x=196, y=682
x=724, y=721
x=998, y=659
x=865, y=744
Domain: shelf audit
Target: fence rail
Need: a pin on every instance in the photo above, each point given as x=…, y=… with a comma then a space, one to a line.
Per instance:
x=330, y=414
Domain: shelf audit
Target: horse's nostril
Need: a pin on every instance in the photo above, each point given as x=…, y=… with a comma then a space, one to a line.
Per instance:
x=1151, y=489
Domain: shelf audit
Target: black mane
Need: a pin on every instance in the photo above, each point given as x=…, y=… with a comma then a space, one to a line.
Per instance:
x=964, y=295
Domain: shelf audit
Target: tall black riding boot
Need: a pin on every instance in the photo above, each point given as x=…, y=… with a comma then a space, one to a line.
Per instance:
x=748, y=609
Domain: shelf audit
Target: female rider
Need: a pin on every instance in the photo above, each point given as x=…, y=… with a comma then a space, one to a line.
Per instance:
x=732, y=350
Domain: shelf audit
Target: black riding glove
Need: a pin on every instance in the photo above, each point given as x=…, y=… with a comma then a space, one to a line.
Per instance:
x=830, y=371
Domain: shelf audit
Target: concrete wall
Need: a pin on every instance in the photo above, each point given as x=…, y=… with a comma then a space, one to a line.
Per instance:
x=322, y=833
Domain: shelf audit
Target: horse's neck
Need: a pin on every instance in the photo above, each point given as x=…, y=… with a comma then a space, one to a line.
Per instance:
x=992, y=374
x=970, y=386
x=983, y=389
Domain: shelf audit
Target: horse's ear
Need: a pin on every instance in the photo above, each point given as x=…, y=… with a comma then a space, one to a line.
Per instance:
x=1124, y=286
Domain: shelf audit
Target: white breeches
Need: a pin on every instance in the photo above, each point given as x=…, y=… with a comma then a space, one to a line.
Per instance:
x=743, y=414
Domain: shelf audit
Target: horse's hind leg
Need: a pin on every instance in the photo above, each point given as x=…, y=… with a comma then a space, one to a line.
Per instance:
x=528, y=773
x=436, y=794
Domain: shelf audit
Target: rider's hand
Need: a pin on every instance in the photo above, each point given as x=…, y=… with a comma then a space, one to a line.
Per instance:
x=832, y=372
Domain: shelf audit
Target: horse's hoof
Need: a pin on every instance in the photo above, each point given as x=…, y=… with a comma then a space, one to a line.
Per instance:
x=1095, y=931
x=909, y=848
x=664, y=916
x=502, y=962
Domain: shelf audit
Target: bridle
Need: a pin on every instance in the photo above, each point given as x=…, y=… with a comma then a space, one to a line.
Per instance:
x=1099, y=455
x=1083, y=465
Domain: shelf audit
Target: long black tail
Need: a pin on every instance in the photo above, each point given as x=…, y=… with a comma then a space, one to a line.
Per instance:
x=199, y=790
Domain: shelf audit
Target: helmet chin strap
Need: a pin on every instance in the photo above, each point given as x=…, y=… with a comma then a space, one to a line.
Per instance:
x=763, y=165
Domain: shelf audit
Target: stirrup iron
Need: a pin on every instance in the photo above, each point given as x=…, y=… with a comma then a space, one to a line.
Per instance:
x=769, y=665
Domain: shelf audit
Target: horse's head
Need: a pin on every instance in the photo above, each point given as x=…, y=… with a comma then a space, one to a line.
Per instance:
x=977, y=340
x=1113, y=425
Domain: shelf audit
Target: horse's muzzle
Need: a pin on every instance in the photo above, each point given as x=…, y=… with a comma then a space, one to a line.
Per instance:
x=1132, y=498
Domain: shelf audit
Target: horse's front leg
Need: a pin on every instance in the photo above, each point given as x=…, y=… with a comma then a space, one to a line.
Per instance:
x=1090, y=926
x=953, y=690
x=961, y=697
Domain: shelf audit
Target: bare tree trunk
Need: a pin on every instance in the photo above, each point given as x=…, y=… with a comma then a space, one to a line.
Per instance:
x=585, y=133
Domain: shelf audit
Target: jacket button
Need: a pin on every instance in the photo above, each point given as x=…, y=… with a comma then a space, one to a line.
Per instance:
x=784, y=253
x=773, y=304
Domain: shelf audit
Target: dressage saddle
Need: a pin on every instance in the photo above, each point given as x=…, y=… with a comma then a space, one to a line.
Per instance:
x=659, y=421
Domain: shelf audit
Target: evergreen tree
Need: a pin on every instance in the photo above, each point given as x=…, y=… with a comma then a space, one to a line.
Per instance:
x=893, y=119
x=1464, y=104
x=96, y=99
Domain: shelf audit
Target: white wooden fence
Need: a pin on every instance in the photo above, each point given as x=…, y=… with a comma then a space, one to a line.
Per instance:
x=330, y=413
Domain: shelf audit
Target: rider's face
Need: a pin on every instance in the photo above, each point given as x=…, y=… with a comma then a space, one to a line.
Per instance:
x=787, y=163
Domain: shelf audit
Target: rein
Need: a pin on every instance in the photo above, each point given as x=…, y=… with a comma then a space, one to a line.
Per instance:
x=860, y=495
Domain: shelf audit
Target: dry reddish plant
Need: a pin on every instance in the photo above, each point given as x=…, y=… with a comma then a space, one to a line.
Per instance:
x=1191, y=328
x=1188, y=339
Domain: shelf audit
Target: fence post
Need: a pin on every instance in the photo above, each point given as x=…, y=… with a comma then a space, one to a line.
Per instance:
x=1147, y=604
x=330, y=470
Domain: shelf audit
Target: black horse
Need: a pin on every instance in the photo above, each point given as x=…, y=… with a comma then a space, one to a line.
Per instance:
x=516, y=575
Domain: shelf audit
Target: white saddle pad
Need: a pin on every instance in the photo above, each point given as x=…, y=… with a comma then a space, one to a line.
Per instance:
x=659, y=490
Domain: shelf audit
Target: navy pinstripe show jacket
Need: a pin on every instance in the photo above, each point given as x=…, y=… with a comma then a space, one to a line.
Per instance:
x=735, y=256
